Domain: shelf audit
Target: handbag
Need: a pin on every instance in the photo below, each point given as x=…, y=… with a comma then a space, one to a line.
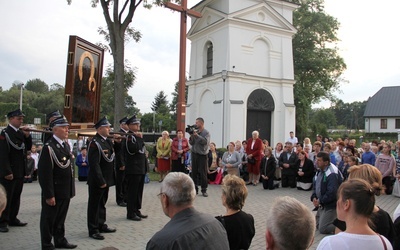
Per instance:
x=396, y=188
x=251, y=160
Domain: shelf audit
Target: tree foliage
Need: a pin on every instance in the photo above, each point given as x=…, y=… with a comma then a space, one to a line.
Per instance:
x=317, y=65
x=174, y=102
x=37, y=86
x=108, y=93
x=160, y=103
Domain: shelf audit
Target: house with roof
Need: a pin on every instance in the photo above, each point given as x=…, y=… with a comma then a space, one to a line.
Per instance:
x=382, y=113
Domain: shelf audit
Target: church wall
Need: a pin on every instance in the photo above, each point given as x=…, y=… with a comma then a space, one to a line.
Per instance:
x=255, y=57
x=198, y=58
x=245, y=53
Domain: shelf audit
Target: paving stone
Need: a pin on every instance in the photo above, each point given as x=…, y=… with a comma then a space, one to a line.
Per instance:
x=133, y=234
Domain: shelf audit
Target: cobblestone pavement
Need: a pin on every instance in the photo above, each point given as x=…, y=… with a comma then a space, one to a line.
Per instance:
x=133, y=234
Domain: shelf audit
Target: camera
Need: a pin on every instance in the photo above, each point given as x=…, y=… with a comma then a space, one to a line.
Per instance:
x=191, y=129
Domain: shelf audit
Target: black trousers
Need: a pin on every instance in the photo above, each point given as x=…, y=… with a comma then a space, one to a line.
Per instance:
x=288, y=180
x=199, y=171
x=52, y=220
x=120, y=186
x=178, y=166
x=96, y=213
x=268, y=184
x=134, y=193
x=14, y=190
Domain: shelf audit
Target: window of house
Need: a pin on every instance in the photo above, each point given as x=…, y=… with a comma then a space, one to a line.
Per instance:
x=397, y=124
x=209, y=65
x=383, y=123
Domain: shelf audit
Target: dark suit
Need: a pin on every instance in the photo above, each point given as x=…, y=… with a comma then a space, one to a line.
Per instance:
x=134, y=161
x=13, y=161
x=101, y=171
x=56, y=180
x=268, y=168
x=288, y=174
x=120, y=182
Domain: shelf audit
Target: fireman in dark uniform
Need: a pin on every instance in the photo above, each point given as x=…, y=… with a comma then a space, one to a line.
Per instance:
x=101, y=176
x=56, y=179
x=135, y=169
x=120, y=183
x=14, y=142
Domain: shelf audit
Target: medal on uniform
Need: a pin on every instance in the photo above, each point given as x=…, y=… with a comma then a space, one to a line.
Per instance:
x=58, y=146
x=64, y=158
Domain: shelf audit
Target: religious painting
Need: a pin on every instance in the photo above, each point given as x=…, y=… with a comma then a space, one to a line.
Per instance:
x=83, y=82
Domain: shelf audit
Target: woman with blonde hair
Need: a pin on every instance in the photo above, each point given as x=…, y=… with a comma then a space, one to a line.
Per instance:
x=380, y=220
x=163, y=155
x=238, y=224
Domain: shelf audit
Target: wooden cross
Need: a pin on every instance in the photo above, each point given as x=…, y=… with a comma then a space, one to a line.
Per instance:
x=181, y=106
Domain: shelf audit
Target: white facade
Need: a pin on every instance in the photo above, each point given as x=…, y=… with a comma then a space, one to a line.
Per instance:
x=252, y=41
x=373, y=125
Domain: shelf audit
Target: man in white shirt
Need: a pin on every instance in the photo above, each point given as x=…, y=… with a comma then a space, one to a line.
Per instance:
x=293, y=140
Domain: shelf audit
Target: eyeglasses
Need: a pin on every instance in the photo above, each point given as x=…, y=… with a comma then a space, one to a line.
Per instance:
x=159, y=195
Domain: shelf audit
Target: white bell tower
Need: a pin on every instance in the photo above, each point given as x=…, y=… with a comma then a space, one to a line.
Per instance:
x=241, y=69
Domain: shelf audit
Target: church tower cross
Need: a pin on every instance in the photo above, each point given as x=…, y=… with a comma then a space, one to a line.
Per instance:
x=181, y=108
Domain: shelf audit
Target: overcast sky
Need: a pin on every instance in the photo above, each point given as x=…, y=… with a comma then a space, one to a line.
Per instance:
x=34, y=43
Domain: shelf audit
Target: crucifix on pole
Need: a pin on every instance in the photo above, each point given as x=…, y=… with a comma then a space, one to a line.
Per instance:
x=181, y=106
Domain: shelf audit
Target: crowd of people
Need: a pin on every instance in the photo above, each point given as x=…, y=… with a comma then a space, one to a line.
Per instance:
x=344, y=181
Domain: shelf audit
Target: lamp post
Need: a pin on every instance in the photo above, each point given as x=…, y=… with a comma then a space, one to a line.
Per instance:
x=20, y=98
x=224, y=75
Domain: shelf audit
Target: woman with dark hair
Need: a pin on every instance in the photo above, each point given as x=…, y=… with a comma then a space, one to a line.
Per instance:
x=180, y=145
x=238, y=224
x=305, y=172
x=355, y=205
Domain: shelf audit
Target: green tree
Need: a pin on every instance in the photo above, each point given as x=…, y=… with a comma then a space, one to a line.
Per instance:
x=324, y=116
x=174, y=102
x=37, y=86
x=317, y=65
x=108, y=93
x=147, y=124
x=160, y=103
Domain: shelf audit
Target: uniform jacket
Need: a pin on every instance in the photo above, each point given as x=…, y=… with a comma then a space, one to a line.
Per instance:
x=101, y=161
x=54, y=180
x=119, y=153
x=134, y=158
x=12, y=159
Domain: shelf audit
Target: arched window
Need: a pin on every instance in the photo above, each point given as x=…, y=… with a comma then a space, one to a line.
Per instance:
x=209, y=62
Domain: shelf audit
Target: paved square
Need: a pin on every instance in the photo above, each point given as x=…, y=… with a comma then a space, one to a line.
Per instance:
x=134, y=235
